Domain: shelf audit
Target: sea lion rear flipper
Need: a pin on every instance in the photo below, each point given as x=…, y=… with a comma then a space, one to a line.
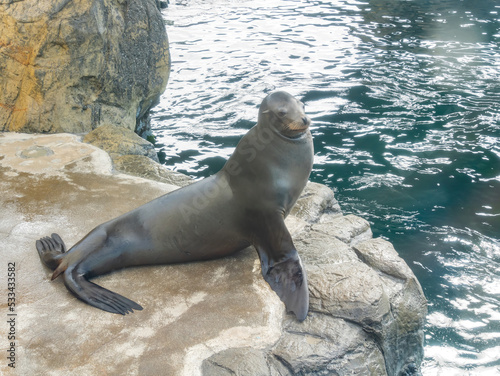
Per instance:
x=51, y=249
x=96, y=295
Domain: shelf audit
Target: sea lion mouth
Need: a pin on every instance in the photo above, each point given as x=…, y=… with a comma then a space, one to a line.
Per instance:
x=295, y=129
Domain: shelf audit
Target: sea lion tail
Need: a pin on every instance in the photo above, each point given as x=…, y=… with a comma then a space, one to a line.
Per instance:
x=96, y=295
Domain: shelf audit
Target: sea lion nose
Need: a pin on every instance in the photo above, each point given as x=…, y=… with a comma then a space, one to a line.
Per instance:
x=306, y=120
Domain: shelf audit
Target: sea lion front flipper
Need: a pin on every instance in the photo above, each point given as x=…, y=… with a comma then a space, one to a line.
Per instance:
x=282, y=267
x=96, y=295
x=288, y=279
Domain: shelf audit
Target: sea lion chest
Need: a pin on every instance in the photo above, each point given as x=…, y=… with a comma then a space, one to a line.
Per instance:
x=268, y=171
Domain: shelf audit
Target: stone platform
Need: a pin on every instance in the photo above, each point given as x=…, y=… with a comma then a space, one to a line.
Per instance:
x=206, y=318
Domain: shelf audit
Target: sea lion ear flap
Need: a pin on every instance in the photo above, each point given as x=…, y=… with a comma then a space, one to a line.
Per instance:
x=288, y=279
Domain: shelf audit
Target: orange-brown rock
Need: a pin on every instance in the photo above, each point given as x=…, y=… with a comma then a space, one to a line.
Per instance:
x=70, y=66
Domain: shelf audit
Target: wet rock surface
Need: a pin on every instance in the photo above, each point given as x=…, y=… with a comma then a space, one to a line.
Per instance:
x=205, y=318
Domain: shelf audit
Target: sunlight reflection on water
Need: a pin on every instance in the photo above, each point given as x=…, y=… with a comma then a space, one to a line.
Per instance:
x=404, y=97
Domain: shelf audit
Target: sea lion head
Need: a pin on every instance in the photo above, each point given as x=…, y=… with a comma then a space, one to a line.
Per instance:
x=284, y=114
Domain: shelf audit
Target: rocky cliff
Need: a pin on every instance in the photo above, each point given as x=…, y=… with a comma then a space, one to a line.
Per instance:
x=217, y=317
x=70, y=66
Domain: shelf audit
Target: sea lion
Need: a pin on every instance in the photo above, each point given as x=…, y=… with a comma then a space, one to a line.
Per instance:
x=244, y=204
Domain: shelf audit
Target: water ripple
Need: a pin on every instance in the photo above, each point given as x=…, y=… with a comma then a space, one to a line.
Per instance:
x=404, y=97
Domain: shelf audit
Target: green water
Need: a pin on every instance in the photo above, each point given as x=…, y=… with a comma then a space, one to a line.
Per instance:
x=405, y=102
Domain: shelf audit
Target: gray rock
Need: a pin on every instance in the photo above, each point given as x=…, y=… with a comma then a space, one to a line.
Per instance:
x=350, y=229
x=401, y=335
x=144, y=167
x=316, y=200
x=322, y=345
x=381, y=255
x=239, y=362
x=133, y=155
x=118, y=141
x=325, y=345
x=340, y=290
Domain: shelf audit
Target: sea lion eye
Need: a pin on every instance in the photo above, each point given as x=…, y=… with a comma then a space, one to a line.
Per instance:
x=281, y=113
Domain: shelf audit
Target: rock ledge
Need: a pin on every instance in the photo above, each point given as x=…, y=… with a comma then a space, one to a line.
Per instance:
x=219, y=317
